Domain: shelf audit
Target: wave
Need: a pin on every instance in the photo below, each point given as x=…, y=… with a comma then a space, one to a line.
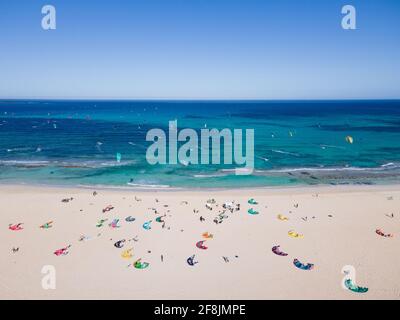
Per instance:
x=209, y=175
x=21, y=149
x=389, y=166
x=148, y=186
x=128, y=186
x=90, y=164
x=286, y=152
x=22, y=163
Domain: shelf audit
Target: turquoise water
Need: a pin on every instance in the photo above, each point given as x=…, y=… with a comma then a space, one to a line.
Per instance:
x=296, y=142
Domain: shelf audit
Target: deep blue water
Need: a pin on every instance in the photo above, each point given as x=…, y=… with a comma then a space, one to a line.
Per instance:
x=296, y=142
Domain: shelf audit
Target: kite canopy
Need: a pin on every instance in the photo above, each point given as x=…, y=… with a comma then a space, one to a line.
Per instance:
x=207, y=235
x=119, y=244
x=127, y=254
x=160, y=220
x=252, y=201
x=100, y=223
x=278, y=252
x=294, y=234
x=191, y=261
x=252, y=211
x=108, y=208
x=352, y=287
x=349, y=139
x=114, y=224
x=381, y=233
x=15, y=227
x=140, y=265
x=298, y=264
x=147, y=225
x=62, y=251
x=282, y=217
x=130, y=219
x=118, y=156
x=200, y=245
x=46, y=225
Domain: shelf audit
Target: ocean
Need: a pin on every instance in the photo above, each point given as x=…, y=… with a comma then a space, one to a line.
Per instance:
x=75, y=143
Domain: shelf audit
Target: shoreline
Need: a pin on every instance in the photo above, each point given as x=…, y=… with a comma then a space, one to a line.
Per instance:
x=298, y=189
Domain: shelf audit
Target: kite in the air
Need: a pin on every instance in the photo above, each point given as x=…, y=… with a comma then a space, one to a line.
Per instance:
x=191, y=261
x=278, y=252
x=118, y=156
x=353, y=287
x=200, y=245
x=298, y=264
x=349, y=139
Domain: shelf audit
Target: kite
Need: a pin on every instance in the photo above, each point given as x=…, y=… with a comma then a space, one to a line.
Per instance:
x=114, y=224
x=140, y=265
x=130, y=219
x=381, y=233
x=349, y=139
x=15, y=227
x=294, y=234
x=100, y=223
x=147, y=225
x=118, y=156
x=200, y=245
x=127, y=254
x=278, y=252
x=352, y=287
x=159, y=219
x=252, y=201
x=191, y=261
x=298, y=264
x=119, y=244
x=108, y=208
x=62, y=251
x=282, y=217
x=207, y=235
x=46, y=225
x=252, y=211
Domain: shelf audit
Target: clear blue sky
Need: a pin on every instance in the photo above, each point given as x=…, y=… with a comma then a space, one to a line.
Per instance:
x=206, y=49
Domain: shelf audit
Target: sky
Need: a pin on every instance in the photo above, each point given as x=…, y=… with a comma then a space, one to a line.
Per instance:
x=200, y=49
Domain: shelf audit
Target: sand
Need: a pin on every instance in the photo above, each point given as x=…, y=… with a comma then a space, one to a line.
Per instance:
x=94, y=269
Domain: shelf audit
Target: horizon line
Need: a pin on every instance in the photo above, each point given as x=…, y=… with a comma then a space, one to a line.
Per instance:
x=199, y=99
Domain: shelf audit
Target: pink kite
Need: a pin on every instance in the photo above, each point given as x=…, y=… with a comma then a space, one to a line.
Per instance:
x=62, y=251
x=200, y=245
x=15, y=227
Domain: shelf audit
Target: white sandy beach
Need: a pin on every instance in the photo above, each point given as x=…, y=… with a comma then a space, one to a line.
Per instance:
x=338, y=224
